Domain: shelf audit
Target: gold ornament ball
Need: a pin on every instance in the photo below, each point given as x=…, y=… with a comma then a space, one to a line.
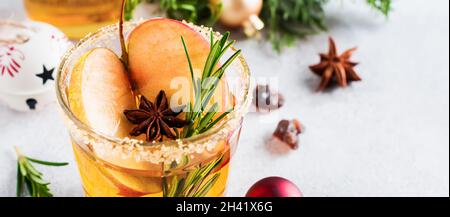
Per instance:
x=236, y=12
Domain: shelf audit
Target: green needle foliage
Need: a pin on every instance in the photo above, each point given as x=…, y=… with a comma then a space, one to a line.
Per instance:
x=194, y=183
x=195, y=11
x=201, y=117
x=384, y=6
x=130, y=6
x=31, y=178
x=288, y=20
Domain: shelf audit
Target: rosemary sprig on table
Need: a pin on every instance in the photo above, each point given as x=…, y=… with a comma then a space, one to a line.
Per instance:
x=194, y=183
x=201, y=117
x=31, y=178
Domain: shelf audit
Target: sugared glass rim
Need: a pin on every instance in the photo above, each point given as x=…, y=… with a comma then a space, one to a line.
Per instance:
x=239, y=111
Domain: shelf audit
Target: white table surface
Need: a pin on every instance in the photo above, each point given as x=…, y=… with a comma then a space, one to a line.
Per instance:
x=385, y=136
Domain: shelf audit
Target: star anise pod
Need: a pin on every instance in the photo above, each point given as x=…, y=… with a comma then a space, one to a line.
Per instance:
x=334, y=67
x=155, y=120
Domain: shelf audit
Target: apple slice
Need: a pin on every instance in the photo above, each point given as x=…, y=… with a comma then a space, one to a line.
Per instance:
x=99, y=92
x=133, y=185
x=94, y=182
x=157, y=57
x=99, y=180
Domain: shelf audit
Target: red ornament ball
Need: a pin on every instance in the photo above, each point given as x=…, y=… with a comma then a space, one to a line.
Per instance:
x=274, y=187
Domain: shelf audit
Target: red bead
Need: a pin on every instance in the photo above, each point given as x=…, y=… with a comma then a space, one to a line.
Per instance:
x=274, y=187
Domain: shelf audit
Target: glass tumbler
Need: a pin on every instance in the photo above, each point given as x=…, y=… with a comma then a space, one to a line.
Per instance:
x=193, y=167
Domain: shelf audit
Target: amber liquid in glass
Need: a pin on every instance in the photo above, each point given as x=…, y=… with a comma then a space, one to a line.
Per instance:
x=103, y=179
x=75, y=18
x=118, y=177
x=202, y=174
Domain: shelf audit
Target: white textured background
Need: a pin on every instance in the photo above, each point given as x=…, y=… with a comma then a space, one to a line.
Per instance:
x=385, y=136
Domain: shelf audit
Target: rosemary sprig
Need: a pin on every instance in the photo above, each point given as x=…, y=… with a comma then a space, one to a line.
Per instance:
x=200, y=116
x=30, y=177
x=194, y=183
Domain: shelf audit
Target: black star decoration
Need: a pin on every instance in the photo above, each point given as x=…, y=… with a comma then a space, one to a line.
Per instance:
x=46, y=75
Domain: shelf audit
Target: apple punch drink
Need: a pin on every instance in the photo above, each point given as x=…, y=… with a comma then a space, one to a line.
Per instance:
x=154, y=108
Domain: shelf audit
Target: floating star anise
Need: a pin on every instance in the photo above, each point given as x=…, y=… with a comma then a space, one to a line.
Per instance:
x=334, y=67
x=155, y=120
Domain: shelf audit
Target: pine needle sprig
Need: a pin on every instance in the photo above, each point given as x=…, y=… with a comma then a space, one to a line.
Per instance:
x=384, y=6
x=288, y=20
x=201, y=117
x=204, y=12
x=130, y=7
x=31, y=178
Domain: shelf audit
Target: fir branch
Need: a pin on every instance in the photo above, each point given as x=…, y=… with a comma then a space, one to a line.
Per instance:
x=205, y=12
x=384, y=6
x=31, y=178
x=130, y=6
x=288, y=20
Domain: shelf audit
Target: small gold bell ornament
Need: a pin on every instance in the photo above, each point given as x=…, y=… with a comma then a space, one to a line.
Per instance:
x=29, y=57
x=242, y=13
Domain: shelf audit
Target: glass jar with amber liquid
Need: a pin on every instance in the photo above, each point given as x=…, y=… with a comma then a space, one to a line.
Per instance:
x=111, y=166
x=76, y=18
